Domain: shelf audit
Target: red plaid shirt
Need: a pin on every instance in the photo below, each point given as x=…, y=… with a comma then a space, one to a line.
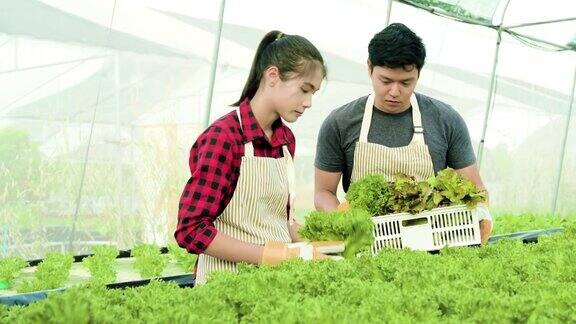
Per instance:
x=215, y=167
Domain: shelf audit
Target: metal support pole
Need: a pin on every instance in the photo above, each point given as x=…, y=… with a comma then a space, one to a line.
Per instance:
x=492, y=89
x=119, y=143
x=88, y=145
x=388, y=11
x=214, y=65
x=489, y=101
x=541, y=23
x=564, y=141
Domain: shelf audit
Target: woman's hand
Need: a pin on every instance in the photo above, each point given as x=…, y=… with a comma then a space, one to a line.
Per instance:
x=276, y=252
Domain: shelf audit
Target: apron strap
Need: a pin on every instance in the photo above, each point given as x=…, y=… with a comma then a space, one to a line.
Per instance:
x=291, y=175
x=418, y=136
x=367, y=119
x=248, y=147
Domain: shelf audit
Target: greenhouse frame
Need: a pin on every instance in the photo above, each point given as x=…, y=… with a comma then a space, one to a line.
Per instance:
x=103, y=100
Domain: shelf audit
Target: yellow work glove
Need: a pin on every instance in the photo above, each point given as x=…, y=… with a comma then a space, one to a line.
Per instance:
x=344, y=206
x=485, y=222
x=276, y=252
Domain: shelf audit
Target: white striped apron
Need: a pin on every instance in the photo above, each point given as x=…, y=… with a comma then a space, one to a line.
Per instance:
x=413, y=159
x=257, y=211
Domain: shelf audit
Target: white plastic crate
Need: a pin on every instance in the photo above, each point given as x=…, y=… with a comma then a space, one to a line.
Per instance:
x=427, y=231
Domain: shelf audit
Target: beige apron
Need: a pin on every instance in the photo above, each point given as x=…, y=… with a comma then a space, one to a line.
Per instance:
x=257, y=211
x=413, y=159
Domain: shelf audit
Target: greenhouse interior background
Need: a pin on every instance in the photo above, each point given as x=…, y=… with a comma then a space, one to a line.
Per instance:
x=101, y=101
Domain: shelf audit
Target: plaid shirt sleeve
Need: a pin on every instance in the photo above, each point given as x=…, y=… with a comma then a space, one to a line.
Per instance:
x=208, y=191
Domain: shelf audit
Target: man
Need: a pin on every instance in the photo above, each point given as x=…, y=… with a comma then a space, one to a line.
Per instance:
x=394, y=129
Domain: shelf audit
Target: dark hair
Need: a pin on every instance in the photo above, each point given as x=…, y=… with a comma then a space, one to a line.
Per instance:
x=289, y=53
x=396, y=46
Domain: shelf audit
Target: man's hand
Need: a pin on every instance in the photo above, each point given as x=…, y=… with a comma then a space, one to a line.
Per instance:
x=485, y=223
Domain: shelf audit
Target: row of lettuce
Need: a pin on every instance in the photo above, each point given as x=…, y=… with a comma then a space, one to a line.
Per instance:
x=54, y=270
x=503, y=282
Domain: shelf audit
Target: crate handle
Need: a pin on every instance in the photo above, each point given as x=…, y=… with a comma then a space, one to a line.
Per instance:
x=415, y=222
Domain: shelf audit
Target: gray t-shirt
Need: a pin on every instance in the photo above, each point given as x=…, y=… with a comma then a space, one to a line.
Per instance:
x=445, y=133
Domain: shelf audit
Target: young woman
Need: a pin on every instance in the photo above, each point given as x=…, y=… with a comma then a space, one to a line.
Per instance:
x=235, y=207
